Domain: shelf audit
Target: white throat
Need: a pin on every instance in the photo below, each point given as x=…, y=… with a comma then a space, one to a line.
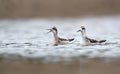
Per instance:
x=83, y=34
x=55, y=37
x=84, y=40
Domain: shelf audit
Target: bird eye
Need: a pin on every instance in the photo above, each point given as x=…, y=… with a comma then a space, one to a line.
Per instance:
x=83, y=28
x=54, y=29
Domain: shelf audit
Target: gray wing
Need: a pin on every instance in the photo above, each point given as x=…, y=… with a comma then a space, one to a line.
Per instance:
x=62, y=39
x=92, y=40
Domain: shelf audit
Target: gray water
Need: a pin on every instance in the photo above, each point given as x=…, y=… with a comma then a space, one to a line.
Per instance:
x=28, y=38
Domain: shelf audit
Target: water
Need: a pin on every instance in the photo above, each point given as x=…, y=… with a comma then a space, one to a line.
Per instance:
x=28, y=38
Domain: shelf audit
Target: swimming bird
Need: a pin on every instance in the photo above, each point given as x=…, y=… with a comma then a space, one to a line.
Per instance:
x=85, y=39
x=57, y=39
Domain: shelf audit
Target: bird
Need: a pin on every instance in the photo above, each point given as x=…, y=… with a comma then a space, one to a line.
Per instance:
x=57, y=39
x=86, y=40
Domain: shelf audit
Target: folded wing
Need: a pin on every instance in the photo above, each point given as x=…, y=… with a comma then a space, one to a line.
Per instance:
x=62, y=39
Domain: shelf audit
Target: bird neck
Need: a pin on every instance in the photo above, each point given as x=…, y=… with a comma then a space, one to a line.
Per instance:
x=55, y=37
x=83, y=34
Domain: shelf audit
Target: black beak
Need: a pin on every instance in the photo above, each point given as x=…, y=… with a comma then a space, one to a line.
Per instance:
x=79, y=31
x=50, y=30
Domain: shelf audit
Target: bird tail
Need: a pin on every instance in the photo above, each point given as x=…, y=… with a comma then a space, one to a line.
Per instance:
x=101, y=41
x=71, y=39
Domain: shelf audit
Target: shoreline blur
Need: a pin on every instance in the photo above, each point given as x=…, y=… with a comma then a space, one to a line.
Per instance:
x=94, y=66
x=57, y=8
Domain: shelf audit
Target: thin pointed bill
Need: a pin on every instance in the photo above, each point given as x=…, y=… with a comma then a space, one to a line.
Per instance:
x=79, y=31
x=50, y=30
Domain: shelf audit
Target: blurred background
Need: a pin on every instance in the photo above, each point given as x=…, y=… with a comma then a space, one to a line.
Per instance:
x=57, y=8
x=25, y=48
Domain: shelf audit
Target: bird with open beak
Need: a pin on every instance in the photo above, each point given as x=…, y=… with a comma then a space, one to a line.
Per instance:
x=57, y=39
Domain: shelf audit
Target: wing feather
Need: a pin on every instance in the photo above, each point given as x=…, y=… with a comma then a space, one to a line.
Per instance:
x=92, y=40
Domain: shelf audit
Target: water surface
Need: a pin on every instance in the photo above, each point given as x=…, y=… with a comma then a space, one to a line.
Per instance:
x=28, y=38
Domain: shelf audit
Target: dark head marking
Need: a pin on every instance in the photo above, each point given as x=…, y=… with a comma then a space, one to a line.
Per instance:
x=54, y=28
x=82, y=27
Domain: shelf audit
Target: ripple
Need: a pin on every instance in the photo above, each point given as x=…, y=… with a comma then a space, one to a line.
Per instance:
x=25, y=41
